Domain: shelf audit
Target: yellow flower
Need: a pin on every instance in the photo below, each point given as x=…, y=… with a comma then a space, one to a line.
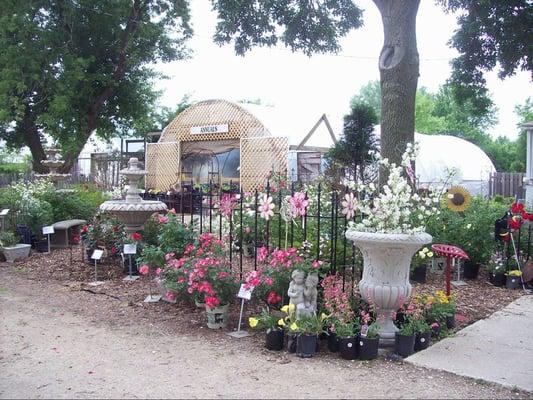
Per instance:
x=292, y=307
x=293, y=326
x=253, y=322
x=421, y=254
x=281, y=322
x=430, y=254
x=285, y=309
x=323, y=316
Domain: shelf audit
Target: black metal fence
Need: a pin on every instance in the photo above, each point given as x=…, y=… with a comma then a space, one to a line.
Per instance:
x=320, y=232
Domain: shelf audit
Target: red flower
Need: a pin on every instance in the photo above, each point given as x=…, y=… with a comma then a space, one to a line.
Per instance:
x=136, y=236
x=514, y=223
x=212, y=301
x=84, y=228
x=114, y=250
x=273, y=298
x=517, y=208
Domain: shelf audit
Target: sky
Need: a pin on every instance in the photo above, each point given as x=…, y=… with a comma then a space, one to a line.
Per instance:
x=322, y=83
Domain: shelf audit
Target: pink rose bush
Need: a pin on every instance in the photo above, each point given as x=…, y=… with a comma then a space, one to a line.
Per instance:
x=203, y=273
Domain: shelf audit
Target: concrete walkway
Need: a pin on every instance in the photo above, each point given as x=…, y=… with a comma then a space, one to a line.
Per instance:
x=497, y=349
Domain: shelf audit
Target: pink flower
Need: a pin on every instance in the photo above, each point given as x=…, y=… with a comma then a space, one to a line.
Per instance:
x=266, y=207
x=158, y=271
x=247, y=229
x=348, y=205
x=273, y=298
x=144, y=269
x=170, y=295
x=269, y=281
x=169, y=256
x=135, y=236
x=227, y=204
x=162, y=219
x=298, y=204
x=262, y=254
x=212, y=301
x=172, y=211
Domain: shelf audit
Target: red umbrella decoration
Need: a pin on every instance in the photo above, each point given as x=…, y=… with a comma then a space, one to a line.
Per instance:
x=449, y=252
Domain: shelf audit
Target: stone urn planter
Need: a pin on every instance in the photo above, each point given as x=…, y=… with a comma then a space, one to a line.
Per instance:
x=16, y=252
x=385, y=283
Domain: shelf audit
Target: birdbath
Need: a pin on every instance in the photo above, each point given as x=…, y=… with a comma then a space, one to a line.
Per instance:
x=133, y=211
x=53, y=162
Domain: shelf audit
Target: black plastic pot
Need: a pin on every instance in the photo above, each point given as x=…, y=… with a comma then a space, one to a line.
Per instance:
x=419, y=274
x=497, y=279
x=450, y=322
x=422, y=340
x=274, y=340
x=306, y=345
x=348, y=348
x=333, y=342
x=25, y=234
x=404, y=345
x=367, y=348
x=291, y=343
x=513, y=282
x=41, y=246
x=471, y=270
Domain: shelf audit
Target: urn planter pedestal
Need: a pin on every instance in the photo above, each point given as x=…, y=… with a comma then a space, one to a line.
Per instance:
x=385, y=283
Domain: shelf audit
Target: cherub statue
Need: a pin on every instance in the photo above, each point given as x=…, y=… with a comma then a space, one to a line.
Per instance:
x=296, y=290
x=311, y=293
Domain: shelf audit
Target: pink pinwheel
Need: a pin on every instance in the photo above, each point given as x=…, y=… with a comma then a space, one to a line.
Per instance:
x=298, y=204
x=266, y=207
x=348, y=205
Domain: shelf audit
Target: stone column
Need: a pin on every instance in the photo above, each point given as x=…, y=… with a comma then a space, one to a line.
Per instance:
x=528, y=179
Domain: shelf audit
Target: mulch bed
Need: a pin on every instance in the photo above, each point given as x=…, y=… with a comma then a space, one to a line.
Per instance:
x=477, y=300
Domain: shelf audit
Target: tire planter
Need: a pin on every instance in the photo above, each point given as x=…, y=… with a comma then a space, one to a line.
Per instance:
x=450, y=322
x=419, y=274
x=306, y=346
x=404, y=345
x=367, y=348
x=217, y=317
x=497, y=279
x=17, y=252
x=348, y=348
x=333, y=342
x=274, y=340
x=471, y=270
x=513, y=282
x=422, y=340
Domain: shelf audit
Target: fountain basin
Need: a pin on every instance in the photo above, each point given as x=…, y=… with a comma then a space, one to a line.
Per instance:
x=133, y=215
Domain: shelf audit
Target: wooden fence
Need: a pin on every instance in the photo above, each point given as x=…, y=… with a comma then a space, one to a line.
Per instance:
x=507, y=184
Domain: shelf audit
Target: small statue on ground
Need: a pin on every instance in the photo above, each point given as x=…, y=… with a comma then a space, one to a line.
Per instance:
x=303, y=293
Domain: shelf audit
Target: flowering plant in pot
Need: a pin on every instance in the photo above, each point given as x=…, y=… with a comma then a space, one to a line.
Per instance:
x=513, y=278
x=368, y=343
x=419, y=264
x=347, y=333
x=308, y=328
x=496, y=268
x=337, y=305
x=288, y=323
x=269, y=322
x=11, y=249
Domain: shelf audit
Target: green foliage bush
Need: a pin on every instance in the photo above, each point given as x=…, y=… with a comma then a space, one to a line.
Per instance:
x=471, y=230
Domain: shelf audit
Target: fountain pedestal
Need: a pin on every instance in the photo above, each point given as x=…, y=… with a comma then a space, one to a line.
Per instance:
x=133, y=211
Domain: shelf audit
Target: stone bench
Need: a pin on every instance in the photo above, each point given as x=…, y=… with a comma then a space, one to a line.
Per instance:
x=62, y=230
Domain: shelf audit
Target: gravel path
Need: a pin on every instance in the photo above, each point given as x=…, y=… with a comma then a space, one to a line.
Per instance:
x=51, y=348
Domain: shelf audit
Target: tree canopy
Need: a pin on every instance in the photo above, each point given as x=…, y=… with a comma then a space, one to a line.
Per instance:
x=491, y=34
x=68, y=68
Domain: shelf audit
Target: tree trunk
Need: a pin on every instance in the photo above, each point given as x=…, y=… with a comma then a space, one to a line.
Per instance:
x=398, y=67
x=32, y=139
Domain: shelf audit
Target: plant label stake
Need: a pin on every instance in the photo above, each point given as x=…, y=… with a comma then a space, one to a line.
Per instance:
x=130, y=249
x=244, y=294
x=48, y=230
x=97, y=254
x=458, y=282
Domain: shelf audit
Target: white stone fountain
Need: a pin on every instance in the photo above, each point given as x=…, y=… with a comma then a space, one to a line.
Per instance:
x=53, y=162
x=133, y=211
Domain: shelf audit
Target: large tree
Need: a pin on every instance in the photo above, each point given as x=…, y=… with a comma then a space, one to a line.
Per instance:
x=69, y=68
